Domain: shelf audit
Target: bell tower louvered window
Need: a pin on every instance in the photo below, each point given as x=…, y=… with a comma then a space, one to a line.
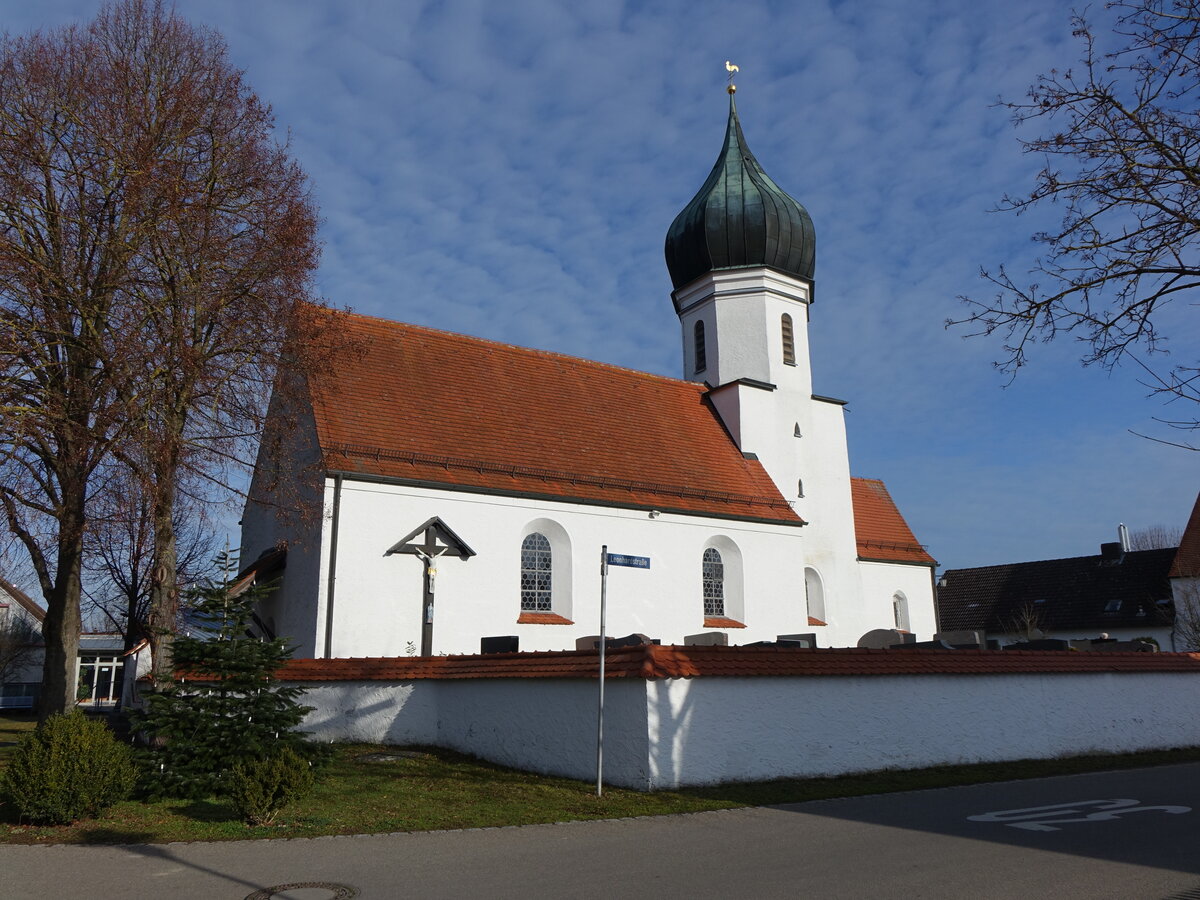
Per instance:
x=701, y=354
x=789, y=340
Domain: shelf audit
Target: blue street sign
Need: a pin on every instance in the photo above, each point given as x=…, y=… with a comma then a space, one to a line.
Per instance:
x=633, y=562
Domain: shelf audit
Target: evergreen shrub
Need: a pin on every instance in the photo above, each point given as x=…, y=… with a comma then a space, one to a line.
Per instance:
x=67, y=768
x=226, y=703
x=260, y=788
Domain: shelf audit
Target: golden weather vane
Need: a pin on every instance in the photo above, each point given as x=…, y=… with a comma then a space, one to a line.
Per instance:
x=732, y=70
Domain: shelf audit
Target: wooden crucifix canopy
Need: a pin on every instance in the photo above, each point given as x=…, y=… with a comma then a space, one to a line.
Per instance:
x=439, y=539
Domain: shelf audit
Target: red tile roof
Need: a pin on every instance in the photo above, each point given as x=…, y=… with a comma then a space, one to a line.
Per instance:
x=447, y=409
x=881, y=531
x=1187, y=557
x=653, y=661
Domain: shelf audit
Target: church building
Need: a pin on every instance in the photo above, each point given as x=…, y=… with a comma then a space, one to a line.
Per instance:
x=464, y=489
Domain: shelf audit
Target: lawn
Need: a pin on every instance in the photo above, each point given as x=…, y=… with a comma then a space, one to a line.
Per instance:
x=368, y=788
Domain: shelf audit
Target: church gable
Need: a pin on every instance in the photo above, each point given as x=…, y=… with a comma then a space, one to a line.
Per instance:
x=441, y=409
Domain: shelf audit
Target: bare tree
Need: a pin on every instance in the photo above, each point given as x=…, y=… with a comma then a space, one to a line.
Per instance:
x=156, y=250
x=1156, y=537
x=119, y=558
x=67, y=239
x=1026, y=622
x=1187, y=615
x=1122, y=161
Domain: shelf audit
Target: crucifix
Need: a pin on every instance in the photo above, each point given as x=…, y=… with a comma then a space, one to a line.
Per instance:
x=437, y=539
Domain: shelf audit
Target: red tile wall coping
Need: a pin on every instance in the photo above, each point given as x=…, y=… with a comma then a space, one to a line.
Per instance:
x=690, y=662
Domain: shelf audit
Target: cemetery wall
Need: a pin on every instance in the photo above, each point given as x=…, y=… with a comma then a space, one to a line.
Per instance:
x=691, y=728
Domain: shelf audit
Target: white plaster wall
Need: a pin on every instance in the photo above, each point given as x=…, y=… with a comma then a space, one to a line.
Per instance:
x=881, y=581
x=548, y=725
x=374, y=712
x=377, y=611
x=663, y=734
x=709, y=730
x=538, y=725
x=297, y=515
x=829, y=511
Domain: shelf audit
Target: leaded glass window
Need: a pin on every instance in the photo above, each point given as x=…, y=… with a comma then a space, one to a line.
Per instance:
x=536, y=570
x=714, y=583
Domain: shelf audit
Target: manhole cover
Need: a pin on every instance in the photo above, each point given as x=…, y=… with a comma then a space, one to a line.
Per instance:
x=305, y=890
x=391, y=757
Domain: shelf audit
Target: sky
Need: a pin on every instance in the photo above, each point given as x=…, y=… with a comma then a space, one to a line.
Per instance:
x=510, y=169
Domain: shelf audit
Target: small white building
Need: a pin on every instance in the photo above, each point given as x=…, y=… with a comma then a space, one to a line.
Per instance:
x=105, y=671
x=454, y=488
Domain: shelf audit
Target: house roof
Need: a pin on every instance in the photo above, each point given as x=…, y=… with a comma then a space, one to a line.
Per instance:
x=23, y=600
x=445, y=409
x=1081, y=592
x=1187, y=558
x=880, y=530
x=653, y=661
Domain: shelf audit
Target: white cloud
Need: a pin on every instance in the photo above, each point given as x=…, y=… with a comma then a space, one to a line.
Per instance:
x=510, y=170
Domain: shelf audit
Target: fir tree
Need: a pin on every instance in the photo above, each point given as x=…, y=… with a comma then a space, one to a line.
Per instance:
x=226, y=704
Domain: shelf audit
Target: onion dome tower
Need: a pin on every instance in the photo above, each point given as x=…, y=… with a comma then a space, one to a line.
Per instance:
x=740, y=218
x=741, y=257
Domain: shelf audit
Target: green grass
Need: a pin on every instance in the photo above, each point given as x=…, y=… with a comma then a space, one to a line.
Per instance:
x=435, y=789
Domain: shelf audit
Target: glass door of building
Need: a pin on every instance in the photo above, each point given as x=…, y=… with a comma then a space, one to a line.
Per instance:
x=100, y=679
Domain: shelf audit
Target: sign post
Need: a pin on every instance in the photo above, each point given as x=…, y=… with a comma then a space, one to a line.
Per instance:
x=608, y=559
x=600, y=710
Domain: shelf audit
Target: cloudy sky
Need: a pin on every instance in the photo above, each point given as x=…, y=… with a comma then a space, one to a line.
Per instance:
x=509, y=170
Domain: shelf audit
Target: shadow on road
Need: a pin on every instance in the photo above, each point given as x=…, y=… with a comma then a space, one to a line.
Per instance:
x=1145, y=817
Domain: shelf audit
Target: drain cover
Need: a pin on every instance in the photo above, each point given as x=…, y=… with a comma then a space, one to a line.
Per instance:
x=305, y=890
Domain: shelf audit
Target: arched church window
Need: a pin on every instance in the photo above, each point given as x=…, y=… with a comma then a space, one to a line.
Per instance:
x=536, y=572
x=814, y=593
x=701, y=355
x=800, y=487
x=714, y=583
x=789, y=341
x=900, y=610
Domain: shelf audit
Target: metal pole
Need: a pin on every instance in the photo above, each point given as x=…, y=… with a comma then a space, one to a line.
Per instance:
x=600, y=710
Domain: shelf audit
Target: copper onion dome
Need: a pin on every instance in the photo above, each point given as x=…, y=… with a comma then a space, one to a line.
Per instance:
x=738, y=219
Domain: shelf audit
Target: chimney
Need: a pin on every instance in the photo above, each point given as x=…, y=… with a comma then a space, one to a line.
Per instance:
x=1111, y=554
x=1123, y=537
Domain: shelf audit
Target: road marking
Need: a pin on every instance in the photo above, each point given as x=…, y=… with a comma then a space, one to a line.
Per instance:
x=1045, y=818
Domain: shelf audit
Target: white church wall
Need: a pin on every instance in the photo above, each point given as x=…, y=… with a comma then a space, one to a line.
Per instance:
x=828, y=509
x=378, y=599
x=296, y=514
x=668, y=733
x=883, y=582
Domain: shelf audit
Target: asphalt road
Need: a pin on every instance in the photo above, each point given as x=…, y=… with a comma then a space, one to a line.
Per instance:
x=1133, y=834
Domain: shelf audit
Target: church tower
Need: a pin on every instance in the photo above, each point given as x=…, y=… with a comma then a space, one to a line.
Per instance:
x=741, y=256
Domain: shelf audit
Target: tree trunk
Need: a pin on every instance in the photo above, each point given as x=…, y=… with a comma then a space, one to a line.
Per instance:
x=164, y=589
x=62, y=624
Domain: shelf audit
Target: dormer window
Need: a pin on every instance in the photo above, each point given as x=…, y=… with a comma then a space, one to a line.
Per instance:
x=701, y=355
x=789, y=342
